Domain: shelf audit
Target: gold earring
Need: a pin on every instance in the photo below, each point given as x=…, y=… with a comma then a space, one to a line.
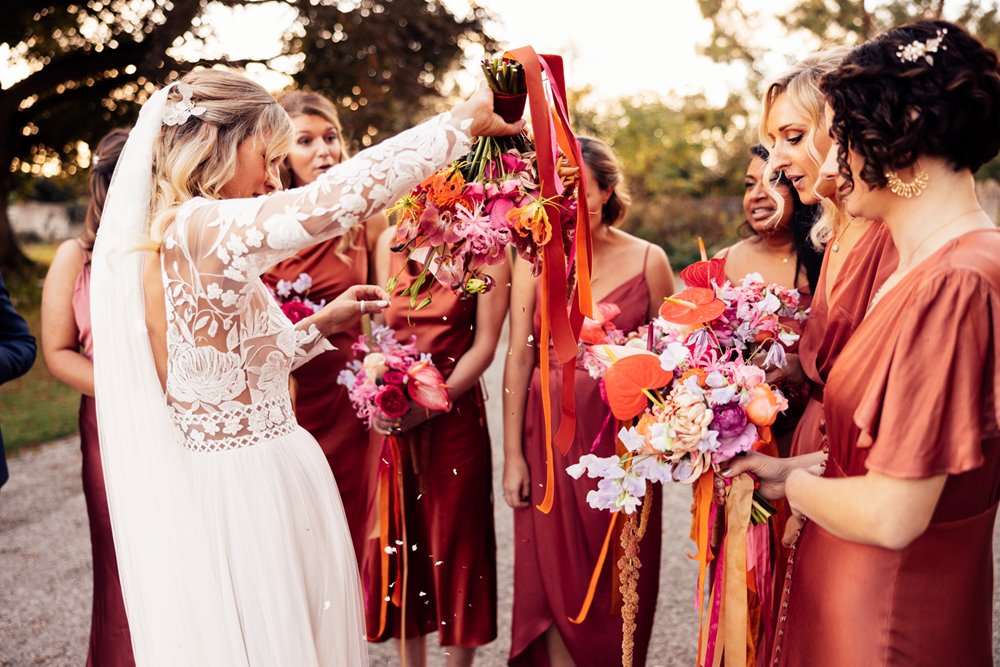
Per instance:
x=901, y=188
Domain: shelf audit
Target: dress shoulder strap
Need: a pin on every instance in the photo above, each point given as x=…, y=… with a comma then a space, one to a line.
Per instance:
x=645, y=258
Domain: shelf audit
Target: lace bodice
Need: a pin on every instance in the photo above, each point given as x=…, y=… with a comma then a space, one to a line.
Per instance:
x=230, y=349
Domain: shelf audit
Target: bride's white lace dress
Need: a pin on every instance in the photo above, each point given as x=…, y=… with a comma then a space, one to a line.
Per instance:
x=265, y=491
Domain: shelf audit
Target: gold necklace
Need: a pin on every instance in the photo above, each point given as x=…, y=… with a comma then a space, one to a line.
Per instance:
x=878, y=293
x=836, y=241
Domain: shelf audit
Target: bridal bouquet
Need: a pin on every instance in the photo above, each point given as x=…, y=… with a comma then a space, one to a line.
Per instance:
x=293, y=297
x=391, y=377
x=466, y=214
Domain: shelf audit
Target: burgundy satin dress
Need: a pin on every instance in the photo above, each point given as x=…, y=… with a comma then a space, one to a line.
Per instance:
x=447, y=477
x=555, y=553
x=832, y=321
x=914, y=394
x=110, y=641
x=322, y=406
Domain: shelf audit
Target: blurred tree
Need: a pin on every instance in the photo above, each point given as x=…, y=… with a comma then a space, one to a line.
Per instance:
x=683, y=160
x=75, y=69
x=824, y=23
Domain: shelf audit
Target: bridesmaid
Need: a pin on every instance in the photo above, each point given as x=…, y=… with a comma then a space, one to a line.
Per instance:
x=859, y=253
x=554, y=554
x=321, y=405
x=779, y=249
x=447, y=474
x=68, y=349
x=894, y=565
x=777, y=245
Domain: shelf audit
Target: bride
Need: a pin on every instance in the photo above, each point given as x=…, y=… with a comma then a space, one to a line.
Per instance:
x=232, y=544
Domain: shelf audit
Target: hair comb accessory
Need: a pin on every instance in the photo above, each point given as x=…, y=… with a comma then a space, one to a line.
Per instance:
x=178, y=112
x=915, y=50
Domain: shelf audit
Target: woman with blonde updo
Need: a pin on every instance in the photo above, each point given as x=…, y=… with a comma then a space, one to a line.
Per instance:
x=231, y=539
x=859, y=254
x=322, y=407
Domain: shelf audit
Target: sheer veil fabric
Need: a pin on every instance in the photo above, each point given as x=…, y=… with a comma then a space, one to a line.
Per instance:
x=232, y=544
x=170, y=581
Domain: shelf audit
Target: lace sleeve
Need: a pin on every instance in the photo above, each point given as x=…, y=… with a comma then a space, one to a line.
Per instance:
x=250, y=235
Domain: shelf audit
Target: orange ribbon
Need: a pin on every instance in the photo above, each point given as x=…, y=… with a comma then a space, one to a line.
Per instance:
x=392, y=514
x=561, y=324
x=701, y=531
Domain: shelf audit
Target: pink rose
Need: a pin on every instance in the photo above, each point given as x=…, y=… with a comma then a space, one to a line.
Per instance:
x=392, y=402
x=296, y=311
x=394, y=378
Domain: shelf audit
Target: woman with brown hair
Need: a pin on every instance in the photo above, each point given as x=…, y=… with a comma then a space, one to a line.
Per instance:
x=893, y=565
x=555, y=553
x=69, y=351
x=322, y=406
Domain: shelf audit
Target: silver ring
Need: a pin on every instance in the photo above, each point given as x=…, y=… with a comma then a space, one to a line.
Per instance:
x=361, y=305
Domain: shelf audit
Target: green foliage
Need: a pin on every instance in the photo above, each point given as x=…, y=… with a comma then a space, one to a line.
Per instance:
x=91, y=63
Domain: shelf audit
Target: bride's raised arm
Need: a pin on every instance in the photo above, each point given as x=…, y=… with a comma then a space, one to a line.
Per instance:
x=270, y=228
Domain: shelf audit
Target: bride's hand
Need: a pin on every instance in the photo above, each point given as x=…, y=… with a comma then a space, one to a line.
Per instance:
x=346, y=310
x=485, y=122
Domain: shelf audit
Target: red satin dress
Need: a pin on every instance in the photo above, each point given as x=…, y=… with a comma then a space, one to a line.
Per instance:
x=832, y=321
x=555, y=553
x=914, y=394
x=110, y=640
x=447, y=478
x=322, y=406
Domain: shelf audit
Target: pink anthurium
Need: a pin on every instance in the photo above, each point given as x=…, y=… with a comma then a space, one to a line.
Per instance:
x=427, y=388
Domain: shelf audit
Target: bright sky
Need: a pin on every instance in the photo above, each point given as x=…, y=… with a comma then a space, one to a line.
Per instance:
x=622, y=48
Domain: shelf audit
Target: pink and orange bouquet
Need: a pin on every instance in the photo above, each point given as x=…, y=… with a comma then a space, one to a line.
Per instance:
x=293, y=297
x=392, y=378
x=466, y=214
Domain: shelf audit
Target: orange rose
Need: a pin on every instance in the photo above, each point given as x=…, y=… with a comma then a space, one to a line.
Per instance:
x=764, y=405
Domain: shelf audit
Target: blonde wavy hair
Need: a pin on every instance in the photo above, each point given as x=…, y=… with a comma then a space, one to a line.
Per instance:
x=801, y=83
x=307, y=103
x=198, y=157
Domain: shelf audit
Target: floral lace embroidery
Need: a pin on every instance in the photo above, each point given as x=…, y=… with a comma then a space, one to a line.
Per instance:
x=230, y=348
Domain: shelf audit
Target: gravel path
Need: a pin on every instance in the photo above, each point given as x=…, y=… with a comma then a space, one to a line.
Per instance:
x=45, y=584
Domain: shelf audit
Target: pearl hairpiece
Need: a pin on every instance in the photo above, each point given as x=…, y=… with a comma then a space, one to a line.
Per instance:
x=178, y=112
x=915, y=50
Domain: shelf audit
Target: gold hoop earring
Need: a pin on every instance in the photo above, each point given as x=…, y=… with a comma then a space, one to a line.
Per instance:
x=901, y=188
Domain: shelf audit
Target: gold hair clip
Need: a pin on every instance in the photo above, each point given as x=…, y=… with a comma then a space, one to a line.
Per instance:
x=915, y=50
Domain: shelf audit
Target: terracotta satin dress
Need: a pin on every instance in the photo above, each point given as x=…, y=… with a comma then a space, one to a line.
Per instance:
x=914, y=394
x=555, y=554
x=832, y=321
x=448, y=492
x=322, y=406
x=110, y=641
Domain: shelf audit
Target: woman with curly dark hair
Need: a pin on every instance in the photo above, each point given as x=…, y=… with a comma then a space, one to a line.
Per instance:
x=894, y=564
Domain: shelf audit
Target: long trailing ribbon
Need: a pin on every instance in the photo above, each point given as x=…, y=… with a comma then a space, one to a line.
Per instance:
x=551, y=127
x=702, y=517
x=392, y=515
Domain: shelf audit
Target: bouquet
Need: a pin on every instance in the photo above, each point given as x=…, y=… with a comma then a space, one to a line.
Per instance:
x=691, y=399
x=466, y=214
x=293, y=298
x=391, y=377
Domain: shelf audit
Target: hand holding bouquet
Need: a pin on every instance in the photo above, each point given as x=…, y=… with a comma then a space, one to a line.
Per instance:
x=392, y=378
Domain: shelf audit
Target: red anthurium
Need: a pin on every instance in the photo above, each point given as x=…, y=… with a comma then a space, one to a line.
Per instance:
x=692, y=306
x=627, y=378
x=705, y=273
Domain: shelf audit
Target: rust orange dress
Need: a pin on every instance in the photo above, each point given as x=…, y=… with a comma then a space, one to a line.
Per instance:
x=447, y=476
x=832, y=321
x=914, y=394
x=555, y=553
x=322, y=406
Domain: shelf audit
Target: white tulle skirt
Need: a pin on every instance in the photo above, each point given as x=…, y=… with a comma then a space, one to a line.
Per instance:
x=287, y=566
